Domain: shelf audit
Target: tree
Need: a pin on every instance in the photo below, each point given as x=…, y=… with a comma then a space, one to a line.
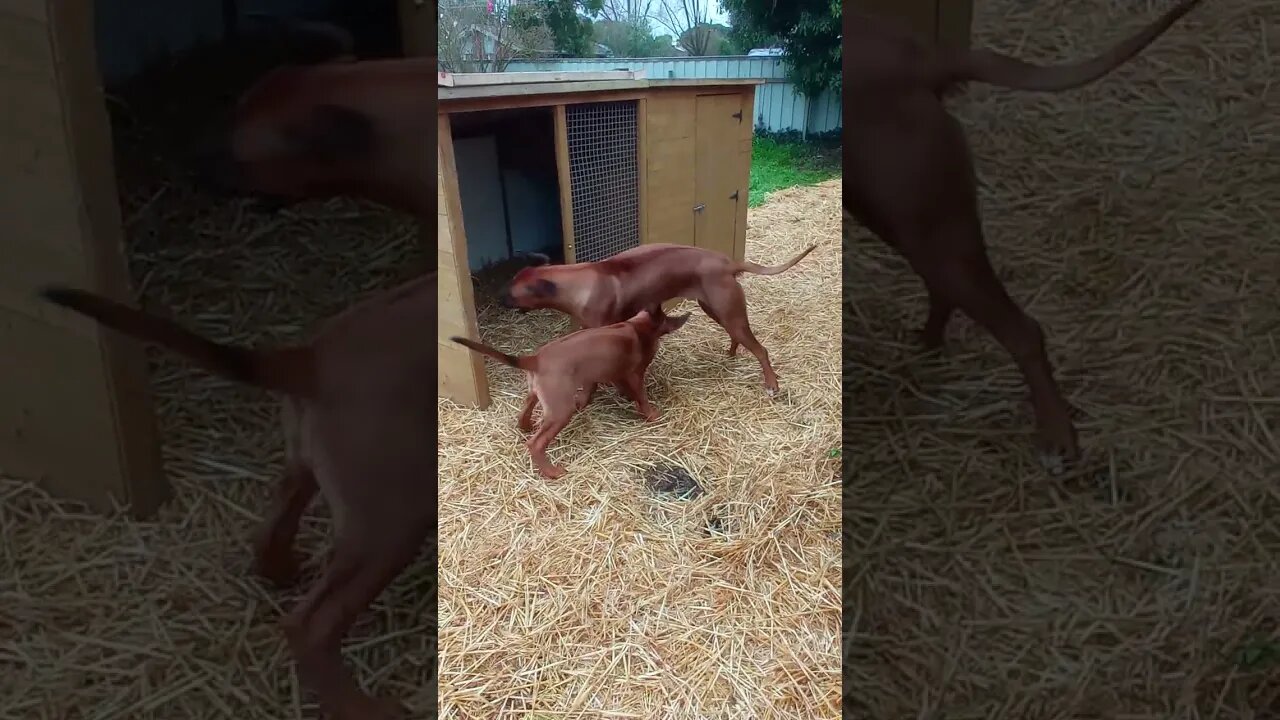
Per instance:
x=688, y=21
x=706, y=39
x=486, y=36
x=631, y=38
x=570, y=30
x=627, y=11
x=808, y=31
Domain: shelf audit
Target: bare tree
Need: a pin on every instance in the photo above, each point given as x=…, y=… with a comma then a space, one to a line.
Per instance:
x=627, y=10
x=689, y=22
x=486, y=35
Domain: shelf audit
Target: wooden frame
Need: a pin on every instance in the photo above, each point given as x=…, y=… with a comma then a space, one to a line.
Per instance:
x=418, y=21
x=566, y=181
x=448, y=79
x=457, y=365
x=77, y=414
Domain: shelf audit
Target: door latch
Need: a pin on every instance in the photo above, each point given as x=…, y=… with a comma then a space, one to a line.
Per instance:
x=738, y=115
x=699, y=207
x=734, y=196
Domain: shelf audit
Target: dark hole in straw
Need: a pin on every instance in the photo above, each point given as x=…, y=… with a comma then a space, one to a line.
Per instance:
x=673, y=480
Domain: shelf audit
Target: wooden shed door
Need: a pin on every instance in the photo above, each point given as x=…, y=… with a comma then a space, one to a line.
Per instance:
x=717, y=176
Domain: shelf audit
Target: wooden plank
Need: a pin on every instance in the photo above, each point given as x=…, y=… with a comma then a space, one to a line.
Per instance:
x=458, y=80
x=670, y=115
x=744, y=176
x=417, y=28
x=671, y=191
x=25, y=48
x=475, y=92
x=716, y=172
x=705, y=84
x=64, y=379
x=536, y=100
x=565, y=180
x=461, y=378
x=24, y=9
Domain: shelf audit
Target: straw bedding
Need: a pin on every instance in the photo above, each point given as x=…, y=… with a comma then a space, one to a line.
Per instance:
x=1137, y=220
x=683, y=569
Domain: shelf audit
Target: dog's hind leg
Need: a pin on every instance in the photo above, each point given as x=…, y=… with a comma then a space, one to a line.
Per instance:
x=733, y=344
x=275, y=559
x=365, y=560
x=558, y=403
x=935, y=326
x=729, y=303
x=525, y=421
x=970, y=283
x=273, y=543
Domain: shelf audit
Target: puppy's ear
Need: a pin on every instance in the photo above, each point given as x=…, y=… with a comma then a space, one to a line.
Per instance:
x=543, y=288
x=672, y=324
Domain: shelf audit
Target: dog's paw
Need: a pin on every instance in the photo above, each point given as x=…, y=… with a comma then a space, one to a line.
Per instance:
x=552, y=472
x=1053, y=463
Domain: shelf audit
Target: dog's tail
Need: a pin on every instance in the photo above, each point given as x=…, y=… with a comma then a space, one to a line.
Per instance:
x=523, y=362
x=286, y=370
x=748, y=266
x=989, y=66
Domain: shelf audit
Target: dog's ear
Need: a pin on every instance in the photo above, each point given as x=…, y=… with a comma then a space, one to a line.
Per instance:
x=543, y=288
x=672, y=324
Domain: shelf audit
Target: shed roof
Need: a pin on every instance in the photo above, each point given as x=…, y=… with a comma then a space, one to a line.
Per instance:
x=524, y=90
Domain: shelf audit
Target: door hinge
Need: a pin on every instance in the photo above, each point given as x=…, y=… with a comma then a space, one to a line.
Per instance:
x=734, y=196
x=738, y=115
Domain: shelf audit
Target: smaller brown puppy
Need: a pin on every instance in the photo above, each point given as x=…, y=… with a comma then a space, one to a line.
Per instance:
x=609, y=291
x=564, y=372
x=358, y=405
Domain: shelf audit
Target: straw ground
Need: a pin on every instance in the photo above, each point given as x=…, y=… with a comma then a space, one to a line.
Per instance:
x=594, y=596
x=1137, y=219
x=114, y=619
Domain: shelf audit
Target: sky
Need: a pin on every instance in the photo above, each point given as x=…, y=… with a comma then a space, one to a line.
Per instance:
x=715, y=14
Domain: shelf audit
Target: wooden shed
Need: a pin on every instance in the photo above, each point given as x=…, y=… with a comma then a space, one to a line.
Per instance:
x=76, y=413
x=579, y=166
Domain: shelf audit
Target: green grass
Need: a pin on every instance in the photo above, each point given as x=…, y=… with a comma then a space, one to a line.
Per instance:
x=776, y=165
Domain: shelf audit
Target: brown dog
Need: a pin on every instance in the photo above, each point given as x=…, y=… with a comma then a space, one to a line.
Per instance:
x=909, y=178
x=608, y=291
x=361, y=129
x=358, y=406
x=563, y=374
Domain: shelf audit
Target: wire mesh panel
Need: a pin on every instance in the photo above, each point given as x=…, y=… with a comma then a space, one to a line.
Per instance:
x=604, y=178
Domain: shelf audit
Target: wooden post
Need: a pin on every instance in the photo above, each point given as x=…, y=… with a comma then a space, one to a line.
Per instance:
x=76, y=414
x=417, y=27
x=566, y=181
x=460, y=373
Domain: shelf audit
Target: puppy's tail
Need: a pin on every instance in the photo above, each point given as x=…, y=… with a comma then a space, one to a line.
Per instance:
x=989, y=66
x=748, y=266
x=523, y=362
x=286, y=370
